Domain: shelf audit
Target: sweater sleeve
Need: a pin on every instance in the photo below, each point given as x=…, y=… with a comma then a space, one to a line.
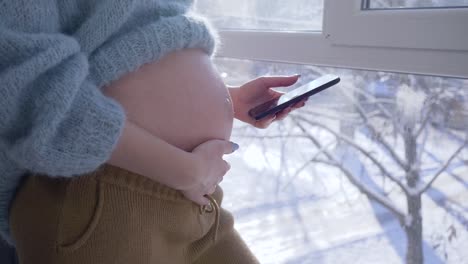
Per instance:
x=53, y=119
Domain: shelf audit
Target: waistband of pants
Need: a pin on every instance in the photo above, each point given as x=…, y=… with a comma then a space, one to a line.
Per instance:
x=135, y=182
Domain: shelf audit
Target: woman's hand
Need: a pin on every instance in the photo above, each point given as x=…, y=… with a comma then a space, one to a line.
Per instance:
x=259, y=91
x=209, y=169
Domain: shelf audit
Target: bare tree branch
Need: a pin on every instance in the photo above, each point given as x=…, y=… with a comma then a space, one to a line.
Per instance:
x=423, y=124
x=441, y=170
x=313, y=159
x=337, y=116
x=363, y=188
x=381, y=140
x=428, y=116
x=377, y=102
x=369, y=192
x=360, y=149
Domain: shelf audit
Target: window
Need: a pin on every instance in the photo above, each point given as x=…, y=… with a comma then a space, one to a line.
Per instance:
x=376, y=4
x=435, y=28
x=293, y=204
x=423, y=41
x=401, y=110
x=297, y=15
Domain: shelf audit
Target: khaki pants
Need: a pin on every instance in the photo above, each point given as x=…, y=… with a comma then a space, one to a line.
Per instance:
x=115, y=216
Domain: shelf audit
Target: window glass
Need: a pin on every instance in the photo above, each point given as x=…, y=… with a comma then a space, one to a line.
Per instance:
x=293, y=15
x=377, y=4
x=290, y=190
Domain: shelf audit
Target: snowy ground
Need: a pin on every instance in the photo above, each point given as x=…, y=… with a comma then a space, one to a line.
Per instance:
x=319, y=217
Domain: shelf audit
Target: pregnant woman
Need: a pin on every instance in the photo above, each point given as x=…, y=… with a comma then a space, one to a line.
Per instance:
x=113, y=127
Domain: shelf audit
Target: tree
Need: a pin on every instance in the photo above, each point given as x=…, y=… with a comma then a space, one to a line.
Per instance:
x=396, y=124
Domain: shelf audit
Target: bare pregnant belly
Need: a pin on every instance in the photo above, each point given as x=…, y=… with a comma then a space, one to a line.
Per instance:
x=180, y=98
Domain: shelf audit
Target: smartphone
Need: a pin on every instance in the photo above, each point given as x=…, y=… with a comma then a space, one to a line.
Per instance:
x=290, y=98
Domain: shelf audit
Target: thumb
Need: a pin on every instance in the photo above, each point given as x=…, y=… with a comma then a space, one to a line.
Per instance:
x=277, y=81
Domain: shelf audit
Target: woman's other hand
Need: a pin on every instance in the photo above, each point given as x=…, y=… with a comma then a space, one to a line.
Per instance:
x=209, y=168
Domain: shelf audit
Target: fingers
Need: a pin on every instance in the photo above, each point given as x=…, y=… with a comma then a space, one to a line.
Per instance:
x=227, y=166
x=300, y=103
x=265, y=122
x=213, y=189
x=226, y=147
x=234, y=146
x=198, y=198
x=213, y=168
x=277, y=81
x=202, y=201
x=283, y=114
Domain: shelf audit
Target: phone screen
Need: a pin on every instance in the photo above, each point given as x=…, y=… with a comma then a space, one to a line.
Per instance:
x=294, y=96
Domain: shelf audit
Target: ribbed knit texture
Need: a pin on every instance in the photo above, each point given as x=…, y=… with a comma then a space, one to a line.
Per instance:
x=116, y=216
x=54, y=57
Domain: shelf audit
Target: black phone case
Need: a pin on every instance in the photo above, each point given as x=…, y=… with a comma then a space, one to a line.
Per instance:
x=278, y=108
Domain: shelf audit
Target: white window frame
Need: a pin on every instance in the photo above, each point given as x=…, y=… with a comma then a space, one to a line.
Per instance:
x=418, y=28
x=344, y=42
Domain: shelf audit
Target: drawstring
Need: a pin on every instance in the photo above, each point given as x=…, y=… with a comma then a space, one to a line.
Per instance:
x=213, y=206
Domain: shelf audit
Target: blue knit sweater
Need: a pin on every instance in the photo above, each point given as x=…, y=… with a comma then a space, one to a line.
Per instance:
x=54, y=57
